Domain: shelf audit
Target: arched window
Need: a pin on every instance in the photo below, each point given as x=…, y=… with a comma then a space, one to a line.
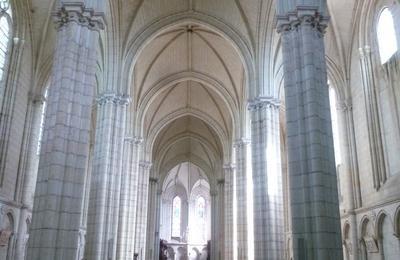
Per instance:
x=335, y=125
x=386, y=35
x=176, y=217
x=390, y=243
x=5, y=36
x=42, y=116
x=201, y=208
x=201, y=219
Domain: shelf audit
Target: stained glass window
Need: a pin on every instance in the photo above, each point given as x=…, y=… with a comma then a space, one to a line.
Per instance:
x=176, y=217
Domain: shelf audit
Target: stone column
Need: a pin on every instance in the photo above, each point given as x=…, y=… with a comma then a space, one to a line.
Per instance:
x=395, y=9
x=65, y=148
x=269, y=232
x=349, y=171
x=142, y=210
x=214, y=225
x=221, y=217
x=28, y=182
x=229, y=213
x=373, y=119
x=156, y=227
x=242, y=153
x=9, y=101
x=312, y=175
x=103, y=213
x=129, y=198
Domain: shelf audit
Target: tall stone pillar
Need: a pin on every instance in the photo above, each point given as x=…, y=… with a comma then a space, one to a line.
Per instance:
x=373, y=118
x=156, y=227
x=349, y=172
x=395, y=9
x=142, y=210
x=105, y=189
x=312, y=175
x=28, y=184
x=269, y=232
x=242, y=153
x=214, y=225
x=129, y=198
x=221, y=217
x=230, y=235
x=65, y=145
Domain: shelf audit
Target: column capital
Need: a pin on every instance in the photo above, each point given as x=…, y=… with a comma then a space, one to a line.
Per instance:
x=364, y=51
x=263, y=102
x=18, y=42
x=136, y=140
x=113, y=98
x=37, y=98
x=221, y=181
x=241, y=142
x=345, y=105
x=303, y=15
x=77, y=12
x=145, y=164
x=229, y=167
x=153, y=180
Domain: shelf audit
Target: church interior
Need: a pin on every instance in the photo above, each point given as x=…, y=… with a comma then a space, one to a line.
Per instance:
x=199, y=129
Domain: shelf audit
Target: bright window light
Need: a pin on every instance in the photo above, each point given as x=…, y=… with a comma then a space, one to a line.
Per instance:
x=199, y=225
x=5, y=35
x=386, y=35
x=176, y=217
x=335, y=126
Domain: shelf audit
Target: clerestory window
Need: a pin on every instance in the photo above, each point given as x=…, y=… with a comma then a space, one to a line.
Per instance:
x=386, y=34
x=5, y=36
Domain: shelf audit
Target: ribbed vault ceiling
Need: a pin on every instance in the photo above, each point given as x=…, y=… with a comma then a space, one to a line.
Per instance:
x=187, y=139
x=192, y=116
x=187, y=175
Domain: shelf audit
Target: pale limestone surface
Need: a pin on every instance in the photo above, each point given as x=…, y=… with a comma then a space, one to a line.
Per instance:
x=138, y=87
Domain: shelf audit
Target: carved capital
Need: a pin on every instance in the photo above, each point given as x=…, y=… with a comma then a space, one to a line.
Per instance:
x=37, y=99
x=112, y=98
x=345, y=105
x=136, y=140
x=145, y=165
x=153, y=180
x=364, y=52
x=263, y=102
x=229, y=167
x=79, y=14
x=302, y=16
x=18, y=42
x=240, y=143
